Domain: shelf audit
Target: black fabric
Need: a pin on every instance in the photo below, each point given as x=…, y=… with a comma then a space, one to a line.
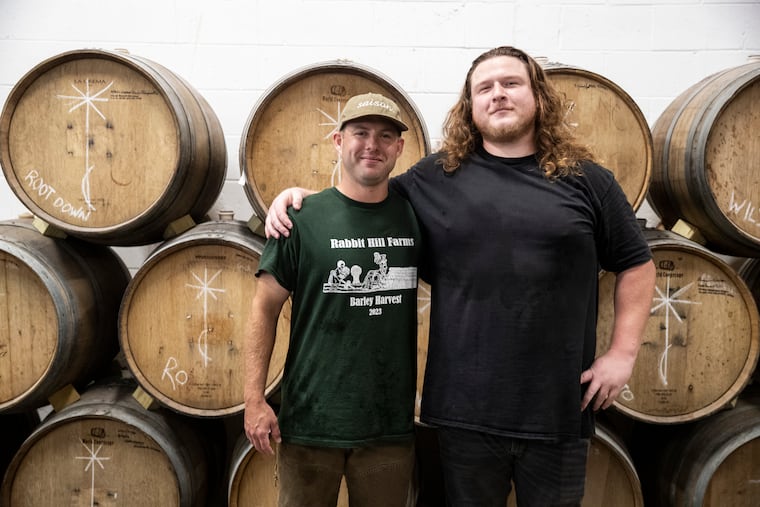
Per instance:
x=513, y=260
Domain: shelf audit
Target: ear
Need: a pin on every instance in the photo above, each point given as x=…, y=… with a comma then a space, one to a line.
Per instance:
x=338, y=141
x=400, y=146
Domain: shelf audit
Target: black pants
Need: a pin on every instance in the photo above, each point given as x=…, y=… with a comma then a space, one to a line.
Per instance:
x=478, y=469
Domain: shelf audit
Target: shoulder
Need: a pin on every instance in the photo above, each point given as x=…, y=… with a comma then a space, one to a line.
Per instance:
x=595, y=171
x=315, y=204
x=598, y=177
x=425, y=168
x=425, y=165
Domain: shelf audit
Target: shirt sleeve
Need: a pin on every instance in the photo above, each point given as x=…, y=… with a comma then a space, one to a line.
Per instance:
x=620, y=241
x=279, y=258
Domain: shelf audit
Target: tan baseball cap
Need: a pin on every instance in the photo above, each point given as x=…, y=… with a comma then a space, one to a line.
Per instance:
x=372, y=104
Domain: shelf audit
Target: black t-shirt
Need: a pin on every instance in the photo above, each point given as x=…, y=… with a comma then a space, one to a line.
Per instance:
x=513, y=259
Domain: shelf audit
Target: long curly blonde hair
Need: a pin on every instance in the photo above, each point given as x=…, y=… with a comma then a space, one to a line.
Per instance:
x=558, y=152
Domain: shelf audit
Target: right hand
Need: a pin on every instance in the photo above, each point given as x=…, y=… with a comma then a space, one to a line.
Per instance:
x=277, y=221
x=260, y=425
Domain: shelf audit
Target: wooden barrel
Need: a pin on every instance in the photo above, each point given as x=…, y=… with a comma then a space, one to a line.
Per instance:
x=110, y=147
x=424, y=294
x=183, y=319
x=287, y=140
x=611, y=477
x=59, y=301
x=608, y=120
x=700, y=345
x=714, y=463
x=749, y=271
x=705, y=158
x=106, y=449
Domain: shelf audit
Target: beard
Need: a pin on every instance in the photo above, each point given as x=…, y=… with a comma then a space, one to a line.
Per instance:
x=498, y=131
x=505, y=132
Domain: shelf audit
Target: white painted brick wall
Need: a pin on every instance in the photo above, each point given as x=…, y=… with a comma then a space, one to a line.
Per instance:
x=232, y=51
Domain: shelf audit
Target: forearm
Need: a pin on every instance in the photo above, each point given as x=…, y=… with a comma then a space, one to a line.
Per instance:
x=634, y=289
x=259, y=343
x=261, y=330
x=610, y=371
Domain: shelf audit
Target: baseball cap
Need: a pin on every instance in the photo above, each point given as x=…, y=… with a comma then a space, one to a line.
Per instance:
x=371, y=104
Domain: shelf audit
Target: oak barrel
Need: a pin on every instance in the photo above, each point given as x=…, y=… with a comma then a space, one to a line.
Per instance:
x=182, y=323
x=107, y=449
x=611, y=477
x=705, y=160
x=111, y=147
x=714, y=463
x=608, y=120
x=424, y=295
x=287, y=140
x=700, y=345
x=59, y=302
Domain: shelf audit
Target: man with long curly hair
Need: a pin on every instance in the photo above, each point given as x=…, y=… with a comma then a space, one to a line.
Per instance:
x=518, y=219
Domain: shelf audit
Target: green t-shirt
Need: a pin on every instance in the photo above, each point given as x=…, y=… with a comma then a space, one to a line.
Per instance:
x=350, y=373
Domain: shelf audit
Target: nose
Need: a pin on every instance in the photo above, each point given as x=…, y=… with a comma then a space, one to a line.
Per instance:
x=499, y=91
x=371, y=142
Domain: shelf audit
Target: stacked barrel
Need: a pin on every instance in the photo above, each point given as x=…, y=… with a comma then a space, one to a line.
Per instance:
x=142, y=376
x=104, y=149
x=691, y=394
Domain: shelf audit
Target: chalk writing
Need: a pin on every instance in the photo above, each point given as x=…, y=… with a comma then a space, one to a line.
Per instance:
x=87, y=99
x=626, y=393
x=205, y=290
x=739, y=206
x=668, y=300
x=37, y=184
x=180, y=377
x=333, y=121
x=92, y=459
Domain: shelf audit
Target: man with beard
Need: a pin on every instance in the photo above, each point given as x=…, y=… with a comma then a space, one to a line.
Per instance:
x=517, y=220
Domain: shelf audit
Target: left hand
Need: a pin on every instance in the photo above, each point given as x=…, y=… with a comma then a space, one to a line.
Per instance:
x=606, y=378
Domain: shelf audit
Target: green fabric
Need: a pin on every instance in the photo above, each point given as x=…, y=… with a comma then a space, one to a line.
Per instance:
x=350, y=374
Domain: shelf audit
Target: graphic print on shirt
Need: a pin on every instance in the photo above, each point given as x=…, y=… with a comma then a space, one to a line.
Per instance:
x=381, y=277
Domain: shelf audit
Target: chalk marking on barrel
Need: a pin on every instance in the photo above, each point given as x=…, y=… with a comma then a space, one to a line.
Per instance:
x=332, y=123
x=88, y=101
x=736, y=208
x=667, y=300
x=335, y=176
x=175, y=378
x=423, y=300
x=205, y=289
x=91, y=460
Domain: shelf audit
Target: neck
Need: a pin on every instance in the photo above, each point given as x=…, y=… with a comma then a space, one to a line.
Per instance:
x=368, y=194
x=517, y=149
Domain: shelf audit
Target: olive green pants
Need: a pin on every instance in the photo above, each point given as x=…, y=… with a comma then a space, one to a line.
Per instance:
x=376, y=476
